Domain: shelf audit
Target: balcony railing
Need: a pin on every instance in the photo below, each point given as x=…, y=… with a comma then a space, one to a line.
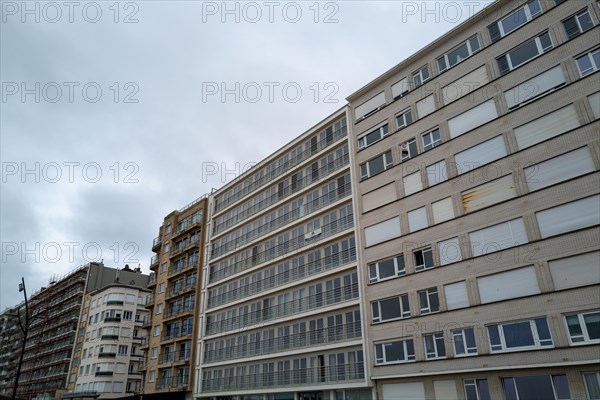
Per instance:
x=176, y=382
x=175, y=335
x=104, y=373
x=107, y=355
x=318, y=337
x=318, y=300
x=154, y=261
x=112, y=319
x=176, y=289
x=308, y=376
x=156, y=242
x=185, y=246
x=173, y=312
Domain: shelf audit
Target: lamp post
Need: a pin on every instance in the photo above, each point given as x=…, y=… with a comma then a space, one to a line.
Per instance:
x=24, y=327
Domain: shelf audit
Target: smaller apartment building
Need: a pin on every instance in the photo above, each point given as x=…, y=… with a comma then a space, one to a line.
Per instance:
x=478, y=209
x=108, y=365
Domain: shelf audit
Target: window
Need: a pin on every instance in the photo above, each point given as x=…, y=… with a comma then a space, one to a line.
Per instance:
x=156, y=330
x=449, y=251
x=578, y=23
x=546, y=127
x=472, y=81
x=592, y=385
x=390, y=309
x=569, y=217
x=423, y=259
x=154, y=353
x=376, y=165
x=472, y=118
x=163, y=267
x=558, y=169
x=123, y=349
x=429, y=300
x=457, y=295
x=159, y=308
x=437, y=173
x=417, y=219
x=373, y=136
x=394, y=352
x=409, y=149
x=557, y=2
x=458, y=54
x=442, y=210
x=382, y=231
x=161, y=288
x=464, y=342
x=535, y=87
x=580, y=270
x=386, y=269
x=584, y=328
x=435, y=346
x=524, y=53
x=555, y=387
x=425, y=106
x=431, y=139
x=400, y=88
x=412, y=183
x=127, y=315
x=523, y=335
x=477, y=389
x=588, y=63
x=515, y=20
x=511, y=284
x=151, y=376
x=498, y=237
x=421, y=76
x=404, y=118
x=370, y=106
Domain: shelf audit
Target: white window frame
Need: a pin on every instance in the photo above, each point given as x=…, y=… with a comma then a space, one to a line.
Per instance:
x=469, y=350
x=528, y=15
x=467, y=42
x=419, y=74
x=587, y=389
x=431, y=143
x=585, y=336
x=407, y=357
x=423, y=267
x=154, y=353
x=429, y=293
x=590, y=56
x=405, y=146
x=438, y=341
x=537, y=342
x=476, y=384
x=403, y=115
x=576, y=17
x=403, y=313
x=398, y=271
x=383, y=131
x=539, y=48
x=388, y=162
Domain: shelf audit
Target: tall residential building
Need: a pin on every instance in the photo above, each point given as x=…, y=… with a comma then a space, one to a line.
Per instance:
x=106, y=363
x=281, y=315
x=478, y=209
x=176, y=267
x=53, y=336
x=10, y=347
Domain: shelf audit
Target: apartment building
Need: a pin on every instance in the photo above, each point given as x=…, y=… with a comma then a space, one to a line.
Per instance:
x=478, y=209
x=176, y=267
x=108, y=362
x=281, y=316
x=54, y=336
x=10, y=347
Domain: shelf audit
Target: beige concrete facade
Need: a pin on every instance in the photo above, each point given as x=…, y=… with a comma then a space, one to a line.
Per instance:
x=517, y=177
x=170, y=351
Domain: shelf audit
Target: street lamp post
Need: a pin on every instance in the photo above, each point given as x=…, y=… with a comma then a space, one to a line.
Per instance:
x=24, y=327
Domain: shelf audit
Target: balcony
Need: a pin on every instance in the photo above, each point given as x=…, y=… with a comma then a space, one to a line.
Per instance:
x=177, y=270
x=178, y=311
x=114, y=303
x=180, y=382
x=109, y=337
x=154, y=261
x=152, y=279
x=156, y=243
x=188, y=244
x=104, y=373
x=112, y=319
x=107, y=355
x=175, y=290
x=174, y=335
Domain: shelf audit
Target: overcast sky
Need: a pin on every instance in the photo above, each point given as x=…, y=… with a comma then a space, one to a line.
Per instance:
x=113, y=116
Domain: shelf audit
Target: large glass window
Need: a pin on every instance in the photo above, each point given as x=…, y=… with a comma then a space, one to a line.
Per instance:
x=464, y=342
x=588, y=63
x=477, y=389
x=386, y=269
x=458, y=54
x=592, y=385
x=578, y=23
x=394, y=352
x=522, y=335
x=516, y=19
x=429, y=300
x=390, y=309
x=555, y=387
x=435, y=346
x=421, y=76
x=524, y=53
x=373, y=136
x=376, y=165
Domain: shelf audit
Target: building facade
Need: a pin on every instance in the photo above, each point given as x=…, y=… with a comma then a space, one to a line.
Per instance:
x=10, y=348
x=281, y=316
x=169, y=356
x=112, y=318
x=477, y=203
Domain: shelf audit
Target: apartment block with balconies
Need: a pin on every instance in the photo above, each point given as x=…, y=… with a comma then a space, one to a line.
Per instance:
x=281, y=316
x=478, y=209
x=175, y=300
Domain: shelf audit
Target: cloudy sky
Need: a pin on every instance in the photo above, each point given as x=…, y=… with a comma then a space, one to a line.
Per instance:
x=114, y=114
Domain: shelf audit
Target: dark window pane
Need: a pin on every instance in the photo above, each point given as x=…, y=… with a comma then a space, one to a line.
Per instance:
x=458, y=54
x=534, y=7
x=494, y=32
x=394, y=351
x=390, y=308
x=425, y=73
x=542, y=328
x=503, y=65
x=523, y=53
x=474, y=44
x=428, y=258
x=571, y=27
x=510, y=392
x=441, y=63
x=562, y=387
x=518, y=335
x=410, y=348
x=534, y=387
x=545, y=41
x=484, y=390
x=459, y=345
x=376, y=166
x=592, y=323
x=514, y=21
x=386, y=268
x=434, y=302
x=494, y=335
